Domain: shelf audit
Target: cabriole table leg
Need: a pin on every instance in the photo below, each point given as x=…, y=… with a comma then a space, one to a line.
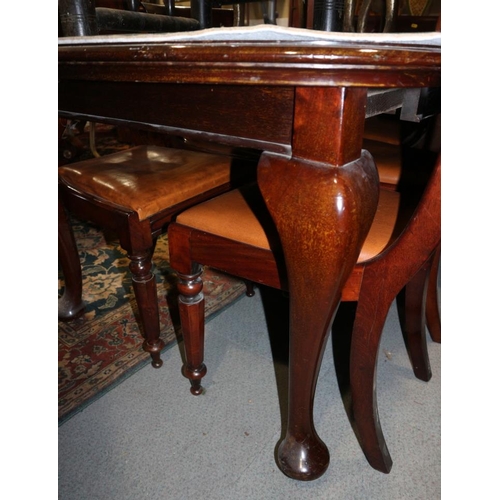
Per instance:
x=334, y=208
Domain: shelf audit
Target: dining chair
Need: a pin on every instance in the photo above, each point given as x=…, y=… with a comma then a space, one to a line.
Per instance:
x=393, y=172
x=84, y=18
x=341, y=15
x=361, y=16
x=235, y=234
x=136, y=193
x=396, y=172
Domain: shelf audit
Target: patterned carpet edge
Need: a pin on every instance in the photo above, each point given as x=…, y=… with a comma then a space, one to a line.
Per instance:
x=237, y=294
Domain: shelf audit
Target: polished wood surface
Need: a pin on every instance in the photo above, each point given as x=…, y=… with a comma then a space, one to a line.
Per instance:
x=253, y=64
x=103, y=100
x=312, y=141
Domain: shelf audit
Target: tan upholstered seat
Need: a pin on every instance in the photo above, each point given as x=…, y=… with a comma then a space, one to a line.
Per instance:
x=388, y=160
x=231, y=216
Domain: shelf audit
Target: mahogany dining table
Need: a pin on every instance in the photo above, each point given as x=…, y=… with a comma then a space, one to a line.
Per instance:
x=303, y=103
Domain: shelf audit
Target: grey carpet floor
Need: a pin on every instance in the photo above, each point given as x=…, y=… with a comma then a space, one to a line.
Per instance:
x=149, y=438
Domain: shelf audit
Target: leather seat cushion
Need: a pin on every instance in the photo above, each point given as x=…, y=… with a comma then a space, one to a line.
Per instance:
x=231, y=216
x=148, y=179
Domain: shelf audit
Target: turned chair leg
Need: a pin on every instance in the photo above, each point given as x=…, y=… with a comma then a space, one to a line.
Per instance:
x=371, y=314
x=432, y=313
x=70, y=305
x=144, y=283
x=192, y=314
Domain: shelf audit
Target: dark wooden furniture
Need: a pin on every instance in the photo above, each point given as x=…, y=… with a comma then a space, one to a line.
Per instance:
x=380, y=134
x=234, y=233
x=83, y=18
x=220, y=17
x=136, y=193
x=353, y=15
x=90, y=17
x=304, y=105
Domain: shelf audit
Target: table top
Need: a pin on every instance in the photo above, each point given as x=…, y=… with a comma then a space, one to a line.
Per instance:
x=262, y=56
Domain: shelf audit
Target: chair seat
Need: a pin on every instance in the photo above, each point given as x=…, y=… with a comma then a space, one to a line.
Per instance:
x=231, y=216
x=148, y=179
x=383, y=129
x=388, y=160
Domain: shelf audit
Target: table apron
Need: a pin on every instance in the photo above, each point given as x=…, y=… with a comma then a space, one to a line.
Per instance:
x=213, y=112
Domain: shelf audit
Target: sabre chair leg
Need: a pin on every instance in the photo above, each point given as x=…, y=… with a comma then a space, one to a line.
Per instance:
x=370, y=318
x=432, y=312
x=414, y=323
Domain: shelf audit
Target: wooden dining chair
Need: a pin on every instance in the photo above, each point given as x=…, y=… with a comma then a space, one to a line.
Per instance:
x=136, y=193
x=83, y=18
x=397, y=173
x=235, y=234
x=393, y=170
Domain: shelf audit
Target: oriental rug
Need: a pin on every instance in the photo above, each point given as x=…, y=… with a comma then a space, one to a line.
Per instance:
x=104, y=346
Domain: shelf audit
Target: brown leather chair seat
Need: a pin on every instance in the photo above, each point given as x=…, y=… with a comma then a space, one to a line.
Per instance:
x=148, y=179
